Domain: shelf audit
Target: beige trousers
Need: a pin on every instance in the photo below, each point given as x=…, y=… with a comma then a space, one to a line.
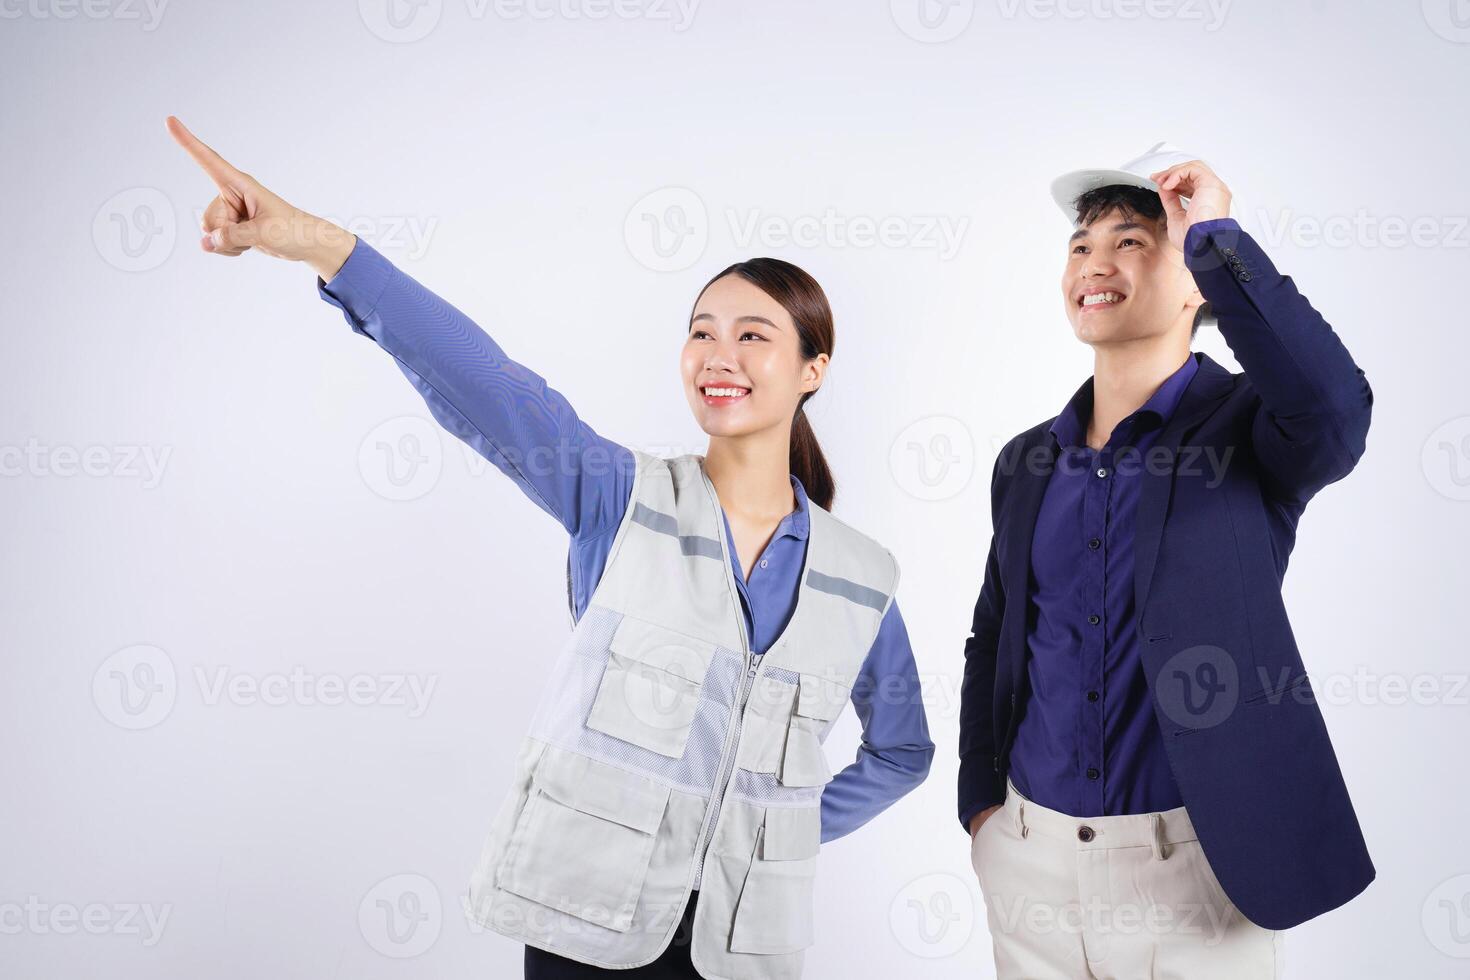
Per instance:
x=1110, y=898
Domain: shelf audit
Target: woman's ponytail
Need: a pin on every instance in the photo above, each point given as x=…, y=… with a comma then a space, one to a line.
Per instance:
x=807, y=462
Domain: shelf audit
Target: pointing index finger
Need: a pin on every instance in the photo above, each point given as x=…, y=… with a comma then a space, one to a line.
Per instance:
x=218, y=169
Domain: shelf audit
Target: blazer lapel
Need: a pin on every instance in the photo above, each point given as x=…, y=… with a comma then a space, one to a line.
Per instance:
x=1209, y=385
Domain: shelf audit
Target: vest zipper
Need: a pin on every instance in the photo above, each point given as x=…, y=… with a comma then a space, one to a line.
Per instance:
x=737, y=711
x=726, y=769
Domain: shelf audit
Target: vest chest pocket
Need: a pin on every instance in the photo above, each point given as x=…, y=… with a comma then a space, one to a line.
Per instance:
x=584, y=840
x=650, y=687
x=774, y=913
x=819, y=700
x=768, y=714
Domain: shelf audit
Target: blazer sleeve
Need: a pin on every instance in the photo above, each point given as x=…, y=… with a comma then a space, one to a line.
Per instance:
x=1315, y=402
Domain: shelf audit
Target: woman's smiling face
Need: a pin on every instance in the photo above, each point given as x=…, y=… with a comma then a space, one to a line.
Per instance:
x=741, y=362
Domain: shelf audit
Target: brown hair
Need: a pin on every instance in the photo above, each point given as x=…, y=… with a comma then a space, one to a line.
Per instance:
x=801, y=297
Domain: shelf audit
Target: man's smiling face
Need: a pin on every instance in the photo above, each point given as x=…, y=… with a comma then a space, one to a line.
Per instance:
x=1124, y=281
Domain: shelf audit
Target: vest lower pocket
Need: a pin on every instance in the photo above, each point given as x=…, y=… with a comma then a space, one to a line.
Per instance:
x=584, y=840
x=774, y=913
x=650, y=687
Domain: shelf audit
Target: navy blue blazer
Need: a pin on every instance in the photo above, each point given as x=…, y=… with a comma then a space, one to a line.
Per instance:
x=1227, y=481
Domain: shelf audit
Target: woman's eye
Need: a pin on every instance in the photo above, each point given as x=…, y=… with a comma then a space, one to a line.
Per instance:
x=698, y=335
x=751, y=333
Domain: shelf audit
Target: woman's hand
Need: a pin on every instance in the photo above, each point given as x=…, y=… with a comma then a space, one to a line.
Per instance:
x=245, y=215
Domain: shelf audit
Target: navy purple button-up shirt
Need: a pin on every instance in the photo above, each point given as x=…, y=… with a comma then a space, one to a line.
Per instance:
x=1088, y=743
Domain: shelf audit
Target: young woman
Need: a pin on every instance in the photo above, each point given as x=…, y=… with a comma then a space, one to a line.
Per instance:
x=672, y=793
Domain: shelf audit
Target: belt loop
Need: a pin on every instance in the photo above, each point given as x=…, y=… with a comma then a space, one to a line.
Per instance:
x=1156, y=829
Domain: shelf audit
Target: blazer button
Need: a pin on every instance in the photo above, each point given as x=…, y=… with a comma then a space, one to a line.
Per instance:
x=1094, y=619
x=1092, y=695
x=1092, y=773
x=1244, y=277
x=1095, y=544
x=1228, y=251
x=1085, y=834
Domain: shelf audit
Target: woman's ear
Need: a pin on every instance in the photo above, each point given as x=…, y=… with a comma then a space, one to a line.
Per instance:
x=814, y=372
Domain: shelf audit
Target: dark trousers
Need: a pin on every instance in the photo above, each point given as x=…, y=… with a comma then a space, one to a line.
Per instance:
x=672, y=964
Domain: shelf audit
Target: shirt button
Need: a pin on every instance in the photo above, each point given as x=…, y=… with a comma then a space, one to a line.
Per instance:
x=1092, y=695
x=1095, y=544
x=764, y=562
x=1092, y=773
x=1094, y=619
x=1102, y=472
x=1085, y=834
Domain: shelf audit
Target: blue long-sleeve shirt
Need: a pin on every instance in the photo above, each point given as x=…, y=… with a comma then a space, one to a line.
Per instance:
x=508, y=414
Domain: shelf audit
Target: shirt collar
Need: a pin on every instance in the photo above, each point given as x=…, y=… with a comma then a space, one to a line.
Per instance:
x=1070, y=427
x=798, y=522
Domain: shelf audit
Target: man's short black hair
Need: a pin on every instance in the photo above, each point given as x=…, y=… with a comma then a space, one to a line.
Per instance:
x=1131, y=202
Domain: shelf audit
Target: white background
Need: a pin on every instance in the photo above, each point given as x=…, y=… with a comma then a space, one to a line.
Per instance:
x=505, y=156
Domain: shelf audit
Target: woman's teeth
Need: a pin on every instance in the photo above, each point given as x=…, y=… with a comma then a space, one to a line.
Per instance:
x=725, y=392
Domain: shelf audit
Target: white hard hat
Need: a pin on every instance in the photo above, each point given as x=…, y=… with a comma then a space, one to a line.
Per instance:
x=1068, y=187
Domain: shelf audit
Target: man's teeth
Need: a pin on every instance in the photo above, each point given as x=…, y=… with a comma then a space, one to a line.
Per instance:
x=724, y=392
x=1097, y=298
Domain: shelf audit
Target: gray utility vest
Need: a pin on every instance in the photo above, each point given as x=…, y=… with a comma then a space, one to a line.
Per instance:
x=663, y=758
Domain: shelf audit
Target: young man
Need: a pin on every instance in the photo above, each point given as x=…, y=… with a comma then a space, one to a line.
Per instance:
x=1145, y=775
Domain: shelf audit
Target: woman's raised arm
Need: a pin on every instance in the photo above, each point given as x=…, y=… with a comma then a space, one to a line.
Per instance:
x=500, y=408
